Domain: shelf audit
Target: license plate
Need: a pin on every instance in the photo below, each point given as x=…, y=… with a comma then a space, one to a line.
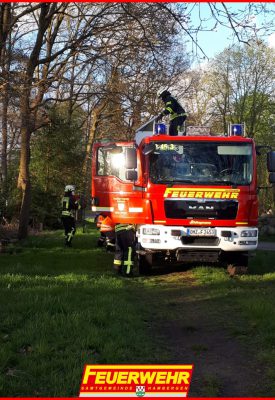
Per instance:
x=201, y=232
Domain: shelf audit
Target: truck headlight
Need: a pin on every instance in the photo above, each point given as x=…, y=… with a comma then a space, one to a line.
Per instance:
x=250, y=233
x=150, y=231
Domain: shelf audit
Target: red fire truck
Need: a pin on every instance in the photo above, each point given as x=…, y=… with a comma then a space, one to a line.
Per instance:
x=193, y=198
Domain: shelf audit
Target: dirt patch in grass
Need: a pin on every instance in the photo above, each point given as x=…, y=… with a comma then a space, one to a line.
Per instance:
x=197, y=329
x=222, y=366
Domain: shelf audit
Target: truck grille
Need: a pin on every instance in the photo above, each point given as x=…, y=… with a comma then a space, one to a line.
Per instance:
x=209, y=209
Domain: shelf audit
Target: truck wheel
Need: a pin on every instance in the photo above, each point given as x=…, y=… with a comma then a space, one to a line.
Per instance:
x=237, y=265
x=145, y=263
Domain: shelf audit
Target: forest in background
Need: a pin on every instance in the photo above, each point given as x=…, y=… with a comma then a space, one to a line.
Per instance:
x=72, y=73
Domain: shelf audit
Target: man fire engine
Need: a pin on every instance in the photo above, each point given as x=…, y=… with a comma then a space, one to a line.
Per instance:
x=191, y=198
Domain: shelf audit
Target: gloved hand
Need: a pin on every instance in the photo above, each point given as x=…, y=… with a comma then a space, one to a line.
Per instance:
x=159, y=118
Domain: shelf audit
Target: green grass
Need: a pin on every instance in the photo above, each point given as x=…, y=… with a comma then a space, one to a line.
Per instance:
x=243, y=305
x=210, y=386
x=252, y=298
x=62, y=308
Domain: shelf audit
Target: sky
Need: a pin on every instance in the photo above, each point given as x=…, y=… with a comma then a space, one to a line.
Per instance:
x=213, y=42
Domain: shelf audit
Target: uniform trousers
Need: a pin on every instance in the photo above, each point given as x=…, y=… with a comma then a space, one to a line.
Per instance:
x=175, y=125
x=69, y=227
x=125, y=251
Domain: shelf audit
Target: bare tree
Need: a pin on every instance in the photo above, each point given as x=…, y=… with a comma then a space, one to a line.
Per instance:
x=51, y=51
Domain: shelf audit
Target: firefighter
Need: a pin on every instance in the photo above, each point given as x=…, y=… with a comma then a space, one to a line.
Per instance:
x=107, y=228
x=125, y=249
x=174, y=109
x=69, y=204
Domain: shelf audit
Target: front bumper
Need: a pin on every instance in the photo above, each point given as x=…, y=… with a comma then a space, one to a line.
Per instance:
x=177, y=237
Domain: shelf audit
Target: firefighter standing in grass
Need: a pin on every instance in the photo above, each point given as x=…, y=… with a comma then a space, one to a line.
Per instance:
x=69, y=205
x=125, y=249
x=174, y=109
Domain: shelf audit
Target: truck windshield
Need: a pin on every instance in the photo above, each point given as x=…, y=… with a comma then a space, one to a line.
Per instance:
x=201, y=163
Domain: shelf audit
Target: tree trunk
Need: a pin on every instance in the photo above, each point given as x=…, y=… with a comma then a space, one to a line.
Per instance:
x=4, y=167
x=24, y=174
x=5, y=26
x=96, y=113
x=5, y=23
x=28, y=121
x=25, y=211
x=90, y=141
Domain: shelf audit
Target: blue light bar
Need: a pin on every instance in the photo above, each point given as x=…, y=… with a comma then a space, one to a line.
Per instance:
x=160, y=129
x=237, y=130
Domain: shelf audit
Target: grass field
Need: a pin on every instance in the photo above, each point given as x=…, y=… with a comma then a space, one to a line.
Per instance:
x=62, y=308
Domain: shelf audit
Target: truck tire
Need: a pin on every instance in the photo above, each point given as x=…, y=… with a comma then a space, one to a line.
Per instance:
x=145, y=263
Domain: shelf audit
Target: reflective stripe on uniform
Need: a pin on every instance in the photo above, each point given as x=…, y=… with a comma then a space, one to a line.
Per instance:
x=65, y=206
x=117, y=262
x=123, y=227
x=70, y=235
x=129, y=261
x=172, y=113
x=169, y=109
x=66, y=213
x=106, y=228
x=89, y=220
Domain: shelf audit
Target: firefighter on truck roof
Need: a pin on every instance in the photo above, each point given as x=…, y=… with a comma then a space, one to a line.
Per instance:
x=174, y=109
x=125, y=249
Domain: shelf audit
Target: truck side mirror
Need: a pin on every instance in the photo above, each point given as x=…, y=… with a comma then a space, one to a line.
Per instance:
x=271, y=161
x=131, y=175
x=130, y=158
